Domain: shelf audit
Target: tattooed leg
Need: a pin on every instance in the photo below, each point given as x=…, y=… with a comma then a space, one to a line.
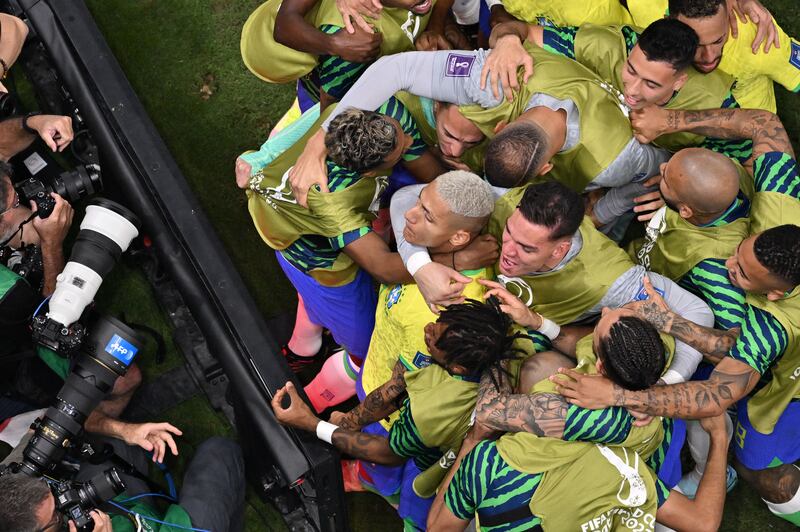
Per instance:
x=776, y=484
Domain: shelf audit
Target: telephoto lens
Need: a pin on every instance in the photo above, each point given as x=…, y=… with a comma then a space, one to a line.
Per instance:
x=105, y=354
x=106, y=232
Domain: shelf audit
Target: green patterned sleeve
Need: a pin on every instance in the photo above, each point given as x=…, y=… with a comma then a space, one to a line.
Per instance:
x=405, y=440
x=709, y=281
x=560, y=41
x=392, y=107
x=777, y=172
x=762, y=340
x=608, y=425
x=470, y=484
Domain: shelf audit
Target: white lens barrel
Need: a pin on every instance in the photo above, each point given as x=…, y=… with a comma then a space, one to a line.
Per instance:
x=110, y=224
x=75, y=289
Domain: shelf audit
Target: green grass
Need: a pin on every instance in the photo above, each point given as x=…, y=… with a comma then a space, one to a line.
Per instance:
x=182, y=58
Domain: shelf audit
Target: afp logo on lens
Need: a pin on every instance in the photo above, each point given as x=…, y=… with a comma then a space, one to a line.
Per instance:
x=121, y=349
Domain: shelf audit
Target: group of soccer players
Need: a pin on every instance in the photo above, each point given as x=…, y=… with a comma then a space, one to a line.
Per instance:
x=547, y=251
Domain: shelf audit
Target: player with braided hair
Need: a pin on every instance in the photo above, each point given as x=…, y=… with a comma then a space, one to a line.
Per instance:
x=502, y=489
x=435, y=415
x=632, y=353
x=767, y=348
x=626, y=349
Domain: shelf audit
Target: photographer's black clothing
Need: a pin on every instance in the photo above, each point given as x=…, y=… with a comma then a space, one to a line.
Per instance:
x=18, y=301
x=212, y=492
x=26, y=381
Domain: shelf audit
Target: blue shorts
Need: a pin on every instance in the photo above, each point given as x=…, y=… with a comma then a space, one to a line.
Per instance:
x=483, y=19
x=304, y=99
x=399, y=178
x=348, y=311
x=761, y=451
x=395, y=484
x=670, y=471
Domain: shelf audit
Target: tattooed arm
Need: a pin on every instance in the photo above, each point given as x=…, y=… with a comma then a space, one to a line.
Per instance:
x=543, y=414
x=568, y=338
x=291, y=410
x=713, y=343
x=378, y=404
x=730, y=381
x=762, y=127
x=369, y=447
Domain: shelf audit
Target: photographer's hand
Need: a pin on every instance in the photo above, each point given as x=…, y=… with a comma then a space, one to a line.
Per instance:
x=153, y=437
x=56, y=131
x=102, y=522
x=52, y=231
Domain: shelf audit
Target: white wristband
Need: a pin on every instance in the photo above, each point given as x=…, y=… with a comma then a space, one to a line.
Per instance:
x=417, y=261
x=325, y=431
x=549, y=328
x=672, y=377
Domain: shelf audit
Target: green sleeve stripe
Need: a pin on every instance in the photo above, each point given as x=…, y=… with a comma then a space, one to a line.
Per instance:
x=762, y=340
x=777, y=172
x=609, y=425
x=709, y=280
x=329, y=29
x=345, y=239
x=631, y=37
x=730, y=102
x=405, y=440
x=656, y=461
x=741, y=150
x=662, y=492
x=468, y=486
x=540, y=341
x=485, y=484
x=560, y=41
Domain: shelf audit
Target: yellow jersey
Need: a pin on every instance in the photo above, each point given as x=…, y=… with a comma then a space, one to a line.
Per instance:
x=400, y=320
x=754, y=73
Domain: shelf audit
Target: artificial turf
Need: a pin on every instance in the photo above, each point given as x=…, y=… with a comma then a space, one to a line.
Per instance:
x=182, y=58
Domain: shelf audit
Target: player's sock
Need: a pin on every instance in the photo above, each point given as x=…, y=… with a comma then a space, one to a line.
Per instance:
x=789, y=510
x=335, y=383
x=307, y=336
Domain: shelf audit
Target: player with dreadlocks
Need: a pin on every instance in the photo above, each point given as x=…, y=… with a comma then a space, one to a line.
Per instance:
x=437, y=401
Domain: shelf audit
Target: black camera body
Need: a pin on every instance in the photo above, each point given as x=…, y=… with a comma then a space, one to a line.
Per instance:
x=72, y=185
x=25, y=262
x=75, y=500
x=62, y=339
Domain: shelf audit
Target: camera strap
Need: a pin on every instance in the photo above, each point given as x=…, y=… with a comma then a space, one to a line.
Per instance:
x=5, y=242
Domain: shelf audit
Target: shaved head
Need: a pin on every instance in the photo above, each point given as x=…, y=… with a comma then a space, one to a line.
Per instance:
x=702, y=180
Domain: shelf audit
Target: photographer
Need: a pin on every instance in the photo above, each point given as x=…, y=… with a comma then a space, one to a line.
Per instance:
x=18, y=299
x=211, y=497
